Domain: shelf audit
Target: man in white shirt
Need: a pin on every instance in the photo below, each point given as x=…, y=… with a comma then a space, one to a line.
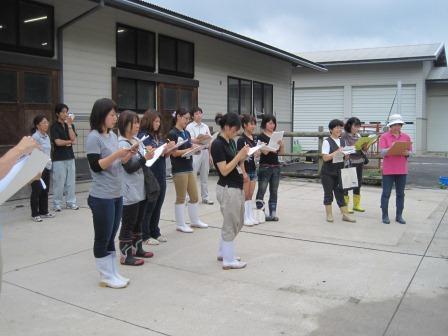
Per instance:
x=201, y=162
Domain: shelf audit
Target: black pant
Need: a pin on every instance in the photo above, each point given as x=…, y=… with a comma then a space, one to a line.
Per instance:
x=106, y=220
x=357, y=191
x=151, y=219
x=131, y=222
x=39, y=195
x=332, y=185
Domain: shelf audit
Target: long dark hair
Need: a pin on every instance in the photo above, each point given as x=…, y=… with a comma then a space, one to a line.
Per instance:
x=353, y=121
x=229, y=119
x=268, y=118
x=147, y=122
x=100, y=110
x=36, y=121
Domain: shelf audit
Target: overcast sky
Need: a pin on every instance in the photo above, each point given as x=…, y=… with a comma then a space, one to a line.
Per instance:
x=298, y=25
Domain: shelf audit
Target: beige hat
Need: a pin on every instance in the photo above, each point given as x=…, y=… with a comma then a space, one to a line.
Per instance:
x=395, y=119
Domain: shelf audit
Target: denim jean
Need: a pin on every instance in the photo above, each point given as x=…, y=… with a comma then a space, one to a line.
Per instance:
x=64, y=182
x=152, y=215
x=106, y=220
x=388, y=182
x=268, y=176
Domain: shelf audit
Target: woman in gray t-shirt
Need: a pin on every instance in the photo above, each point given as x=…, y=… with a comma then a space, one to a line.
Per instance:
x=106, y=196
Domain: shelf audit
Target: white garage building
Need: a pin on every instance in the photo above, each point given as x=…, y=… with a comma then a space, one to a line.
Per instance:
x=363, y=83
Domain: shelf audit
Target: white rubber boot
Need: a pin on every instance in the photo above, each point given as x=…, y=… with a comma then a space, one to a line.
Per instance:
x=180, y=219
x=228, y=253
x=107, y=276
x=247, y=219
x=115, y=267
x=193, y=212
x=220, y=258
x=251, y=213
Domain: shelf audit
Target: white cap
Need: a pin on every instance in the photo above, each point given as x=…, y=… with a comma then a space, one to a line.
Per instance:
x=395, y=119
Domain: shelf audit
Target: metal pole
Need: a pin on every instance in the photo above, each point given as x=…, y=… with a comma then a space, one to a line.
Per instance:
x=319, y=150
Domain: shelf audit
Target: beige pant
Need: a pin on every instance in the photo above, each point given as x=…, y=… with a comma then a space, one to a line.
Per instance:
x=231, y=201
x=183, y=183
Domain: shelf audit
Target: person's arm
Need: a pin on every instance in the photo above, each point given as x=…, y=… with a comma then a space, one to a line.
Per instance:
x=384, y=148
x=71, y=130
x=226, y=168
x=7, y=161
x=326, y=151
x=56, y=137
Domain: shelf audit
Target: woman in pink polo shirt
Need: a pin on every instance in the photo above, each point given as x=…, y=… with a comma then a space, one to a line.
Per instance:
x=395, y=168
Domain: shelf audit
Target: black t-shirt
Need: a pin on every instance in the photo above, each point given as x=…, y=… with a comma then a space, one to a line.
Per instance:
x=244, y=140
x=60, y=131
x=180, y=164
x=225, y=151
x=272, y=157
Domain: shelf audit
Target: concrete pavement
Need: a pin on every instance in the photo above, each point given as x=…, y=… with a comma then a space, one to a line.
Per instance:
x=304, y=276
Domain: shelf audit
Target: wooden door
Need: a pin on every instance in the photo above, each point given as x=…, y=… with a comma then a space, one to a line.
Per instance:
x=171, y=97
x=24, y=93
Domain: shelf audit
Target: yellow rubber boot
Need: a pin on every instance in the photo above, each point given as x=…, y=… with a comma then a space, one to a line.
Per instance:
x=347, y=203
x=357, y=203
x=346, y=216
x=329, y=212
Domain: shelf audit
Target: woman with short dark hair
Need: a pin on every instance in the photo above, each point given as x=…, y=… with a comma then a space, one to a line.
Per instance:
x=229, y=190
x=106, y=192
x=350, y=137
x=269, y=169
x=39, y=192
x=331, y=170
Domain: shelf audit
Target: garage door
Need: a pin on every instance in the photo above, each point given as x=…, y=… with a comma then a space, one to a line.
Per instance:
x=315, y=107
x=437, y=115
x=371, y=104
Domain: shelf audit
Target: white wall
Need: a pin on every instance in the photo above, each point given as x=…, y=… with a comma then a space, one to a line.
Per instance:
x=413, y=73
x=89, y=55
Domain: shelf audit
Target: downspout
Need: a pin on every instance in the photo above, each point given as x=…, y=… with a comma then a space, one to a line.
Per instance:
x=293, y=87
x=59, y=36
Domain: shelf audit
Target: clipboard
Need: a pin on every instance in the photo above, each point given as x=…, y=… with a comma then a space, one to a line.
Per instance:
x=157, y=153
x=204, y=139
x=193, y=151
x=398, y=148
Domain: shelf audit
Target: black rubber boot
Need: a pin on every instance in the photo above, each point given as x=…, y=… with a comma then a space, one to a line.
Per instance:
x=137, y=248
x=127, y=257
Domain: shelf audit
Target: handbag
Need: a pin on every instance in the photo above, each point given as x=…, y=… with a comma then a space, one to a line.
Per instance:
x=259, y=214
x=152, y=186
x=364, y=156
x=349, y=178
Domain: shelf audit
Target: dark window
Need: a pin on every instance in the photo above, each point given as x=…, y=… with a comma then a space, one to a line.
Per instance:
x=135, y=48
x=136, y=95
x=27, y=26
x=263, y=99
x=8, y=86
x=37, y=88
x=239, y=98
x=170, y=99
x=176, y=57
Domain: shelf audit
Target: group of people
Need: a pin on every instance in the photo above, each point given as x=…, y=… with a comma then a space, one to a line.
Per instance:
x=57, y=142
x=127, y=194
x=394, y=168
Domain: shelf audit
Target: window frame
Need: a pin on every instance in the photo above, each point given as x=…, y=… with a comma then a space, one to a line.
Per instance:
x=239, y=93
x=135, y=65
x=136, y=80
x=262, y=97
x=176, y=53
x=17, y=47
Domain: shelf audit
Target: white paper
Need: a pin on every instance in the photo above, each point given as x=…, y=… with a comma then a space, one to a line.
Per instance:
x=338, y=158
x=157, y=153
x=180, y=142
x=349, y=150
x=22, y=173
x=275, y=138
x=252, y=150
x=142, y=139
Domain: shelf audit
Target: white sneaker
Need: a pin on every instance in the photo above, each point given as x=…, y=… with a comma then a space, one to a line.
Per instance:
x=152, y=241
x=162, y=239
x=235, y=264
x=48, y=215
x=37, y=219
x=184, y=228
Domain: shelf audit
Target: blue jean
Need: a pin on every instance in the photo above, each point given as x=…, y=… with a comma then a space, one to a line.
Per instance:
x=268, y=176
x=64, y=182
x=106, y=220
x=388, y=182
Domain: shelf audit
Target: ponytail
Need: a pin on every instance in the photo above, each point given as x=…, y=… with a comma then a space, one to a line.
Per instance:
x=229, y=119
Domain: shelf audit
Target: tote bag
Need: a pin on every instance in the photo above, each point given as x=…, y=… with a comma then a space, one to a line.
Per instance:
x=349, y=178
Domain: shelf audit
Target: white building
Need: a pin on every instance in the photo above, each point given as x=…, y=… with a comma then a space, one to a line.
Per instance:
x=139, y=54
x=363, y=83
